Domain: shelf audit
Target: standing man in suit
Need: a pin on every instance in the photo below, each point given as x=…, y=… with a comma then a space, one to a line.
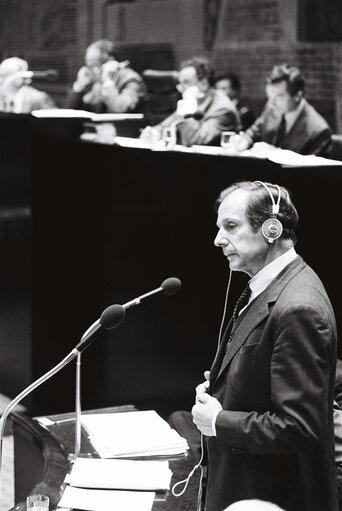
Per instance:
x=267, y=407
x=288, y=120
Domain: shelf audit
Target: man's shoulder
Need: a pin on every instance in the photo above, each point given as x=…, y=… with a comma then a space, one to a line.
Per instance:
x=34, y=93
x=301, y=284
x=127, y=74
x=314, y=119
x=221, y=100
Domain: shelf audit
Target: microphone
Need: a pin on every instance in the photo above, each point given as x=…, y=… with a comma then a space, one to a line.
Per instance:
x=113, y=315
x=196, y=115
x=169, y=286
x=110, y=318
x=49, y=74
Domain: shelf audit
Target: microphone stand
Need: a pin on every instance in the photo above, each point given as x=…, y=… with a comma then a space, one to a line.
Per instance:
x=94, y=326
x=25, y=393
x=78, y=411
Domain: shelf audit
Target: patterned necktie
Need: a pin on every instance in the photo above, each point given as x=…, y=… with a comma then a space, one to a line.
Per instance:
x=242, y=302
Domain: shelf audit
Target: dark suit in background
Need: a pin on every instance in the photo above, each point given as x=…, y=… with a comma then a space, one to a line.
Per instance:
x=310, y=134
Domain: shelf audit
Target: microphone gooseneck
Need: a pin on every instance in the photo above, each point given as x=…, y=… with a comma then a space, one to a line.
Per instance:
x=169, y=286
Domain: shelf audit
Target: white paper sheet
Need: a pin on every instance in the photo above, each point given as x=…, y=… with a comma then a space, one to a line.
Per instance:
x=70, y=113
x=105, y=500
x=120, y=474
x=123, y=421
x=132, y=434
x=139, y=443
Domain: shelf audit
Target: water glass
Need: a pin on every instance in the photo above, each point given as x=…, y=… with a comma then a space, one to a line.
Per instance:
x=225, y=139
x=169, y=137
x=37, y=503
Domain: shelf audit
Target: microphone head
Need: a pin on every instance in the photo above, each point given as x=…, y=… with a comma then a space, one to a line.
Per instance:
x=171, y=286
x=198, y=116
x=112, y=316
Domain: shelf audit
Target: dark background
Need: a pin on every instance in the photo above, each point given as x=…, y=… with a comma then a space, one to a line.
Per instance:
x=108, y=224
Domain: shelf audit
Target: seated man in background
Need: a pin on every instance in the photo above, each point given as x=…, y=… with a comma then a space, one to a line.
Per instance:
x=203, y=113
x=288, y=120
x=230, y=84
x=104, y=84
x=16, y=95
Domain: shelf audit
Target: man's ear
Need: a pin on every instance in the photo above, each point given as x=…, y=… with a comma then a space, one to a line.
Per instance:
x=298, y=96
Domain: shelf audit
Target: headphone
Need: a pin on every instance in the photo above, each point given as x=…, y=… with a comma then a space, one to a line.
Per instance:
x=272, y=228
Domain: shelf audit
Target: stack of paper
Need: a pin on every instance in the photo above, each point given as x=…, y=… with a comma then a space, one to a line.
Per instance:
x=67, y=113
x=98, y=500
x=132, y=434
x=120, y=474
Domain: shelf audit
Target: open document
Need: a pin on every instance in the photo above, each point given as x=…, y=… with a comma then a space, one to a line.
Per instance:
x=132, y=434
x=120, y=474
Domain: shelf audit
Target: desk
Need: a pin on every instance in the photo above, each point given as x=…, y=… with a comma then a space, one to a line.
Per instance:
x=109, y=223
x=41, y=463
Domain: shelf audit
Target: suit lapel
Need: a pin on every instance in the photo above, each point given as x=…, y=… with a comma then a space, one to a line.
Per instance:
x=257, y=310
x=249, y=319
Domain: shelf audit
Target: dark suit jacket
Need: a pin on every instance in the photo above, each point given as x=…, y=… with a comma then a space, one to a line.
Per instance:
x=309, y=135
x=275, y=436
x=219, y=114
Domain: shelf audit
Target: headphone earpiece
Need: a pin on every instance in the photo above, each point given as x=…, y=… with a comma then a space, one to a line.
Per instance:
x=272, y=228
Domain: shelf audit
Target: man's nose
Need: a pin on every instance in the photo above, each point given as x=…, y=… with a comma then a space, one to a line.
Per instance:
x=220, y=240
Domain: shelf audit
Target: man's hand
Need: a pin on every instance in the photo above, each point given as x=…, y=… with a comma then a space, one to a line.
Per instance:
x=150, y=135
x=240, y=142
x=203, y=387
x=86, y=76
x=203, y=412
x=109, y=70
x=206, y=407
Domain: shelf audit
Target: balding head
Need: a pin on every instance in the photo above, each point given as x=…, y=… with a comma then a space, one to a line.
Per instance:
x=253, y=505
x=11, y=66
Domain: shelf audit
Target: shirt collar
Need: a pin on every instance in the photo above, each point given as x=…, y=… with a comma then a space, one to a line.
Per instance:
x=269, y=272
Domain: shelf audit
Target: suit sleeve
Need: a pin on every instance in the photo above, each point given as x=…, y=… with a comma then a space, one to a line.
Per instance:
x=207, y=130
x=255, y=131
x=320, y=145
x=122, y=100
x=300, y=370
